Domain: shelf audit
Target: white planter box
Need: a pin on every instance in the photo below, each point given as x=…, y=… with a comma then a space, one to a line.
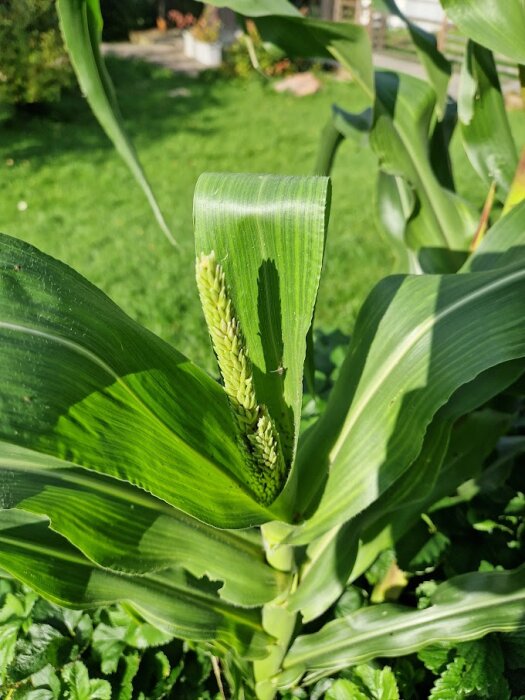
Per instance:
x=208, y=54
x=189, y=44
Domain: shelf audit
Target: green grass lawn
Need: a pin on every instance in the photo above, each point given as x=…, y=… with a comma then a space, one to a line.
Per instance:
x=84, y=208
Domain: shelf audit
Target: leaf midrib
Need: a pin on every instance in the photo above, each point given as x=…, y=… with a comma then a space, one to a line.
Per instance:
x=398, y=625
x=418, y=165
x=404, y=348
x=89, y=355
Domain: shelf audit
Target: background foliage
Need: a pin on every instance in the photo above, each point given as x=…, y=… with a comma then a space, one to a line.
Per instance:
x=34, y=66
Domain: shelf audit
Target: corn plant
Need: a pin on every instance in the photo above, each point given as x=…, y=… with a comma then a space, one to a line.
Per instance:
x=127, y=474
x=409, y=123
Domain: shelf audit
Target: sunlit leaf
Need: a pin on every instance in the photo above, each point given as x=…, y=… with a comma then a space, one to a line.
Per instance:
x=171, y=600
x=81, y=23
x=499, y=27
x=465, y=607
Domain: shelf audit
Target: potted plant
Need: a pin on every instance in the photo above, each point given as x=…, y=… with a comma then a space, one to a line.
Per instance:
x=206, y=35
x=185, y=22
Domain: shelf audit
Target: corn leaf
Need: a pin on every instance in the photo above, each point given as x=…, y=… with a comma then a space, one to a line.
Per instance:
x=147, y=534
x=83, y=382
x=411, y=350
x=81, y=23
x=268, y=234
x=504, y=242
x=172, y=600
x=484, y=123
x=499, y=28
x=440, y=223
x=451, y=453
x=465, y=607
x=438, y=68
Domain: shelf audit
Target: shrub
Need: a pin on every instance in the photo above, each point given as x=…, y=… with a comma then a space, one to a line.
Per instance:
x=248, y=53
x=34, y=66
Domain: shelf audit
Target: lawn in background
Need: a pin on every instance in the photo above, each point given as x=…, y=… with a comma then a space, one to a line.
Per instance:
x=65, y=190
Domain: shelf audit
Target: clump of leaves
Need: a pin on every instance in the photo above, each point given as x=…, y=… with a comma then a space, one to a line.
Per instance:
x=49, y=653
x=34, y=65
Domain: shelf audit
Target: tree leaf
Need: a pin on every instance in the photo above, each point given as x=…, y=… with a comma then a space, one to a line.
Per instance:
x=83, y=382
x=171, y=600
x=485, y=126
x=81, y=23
x=464, y=608
x=146, y=533
x=484, y=22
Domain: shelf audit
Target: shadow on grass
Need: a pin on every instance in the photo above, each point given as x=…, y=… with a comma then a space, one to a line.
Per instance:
x=154, y=102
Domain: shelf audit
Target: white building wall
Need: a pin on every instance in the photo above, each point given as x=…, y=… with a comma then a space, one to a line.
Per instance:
x=421, y=10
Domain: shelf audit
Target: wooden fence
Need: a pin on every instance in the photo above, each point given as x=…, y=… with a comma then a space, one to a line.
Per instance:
x=389, y=35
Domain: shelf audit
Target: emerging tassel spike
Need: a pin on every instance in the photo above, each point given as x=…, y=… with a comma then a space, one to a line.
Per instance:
x=257, y=432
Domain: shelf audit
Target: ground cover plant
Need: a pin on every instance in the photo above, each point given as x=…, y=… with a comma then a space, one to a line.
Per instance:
x=230, y=524
x=34, y=66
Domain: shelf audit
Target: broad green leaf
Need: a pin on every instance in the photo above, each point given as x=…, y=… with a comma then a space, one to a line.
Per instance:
x=341, y=125
x=450, y=455
x=467, y=448
x=268, y=235
x=440, y=145
x=171, y=600
x=441, y=223
x=438, y=68
x=81, y=23
x=401, y=368
x=395, y=206
x=499, y=27
x=517, y=189
x=464, y=608
x=485, y=127
x=146, y=534
x=83, y=382
x=331, y=139
x=503, y=243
